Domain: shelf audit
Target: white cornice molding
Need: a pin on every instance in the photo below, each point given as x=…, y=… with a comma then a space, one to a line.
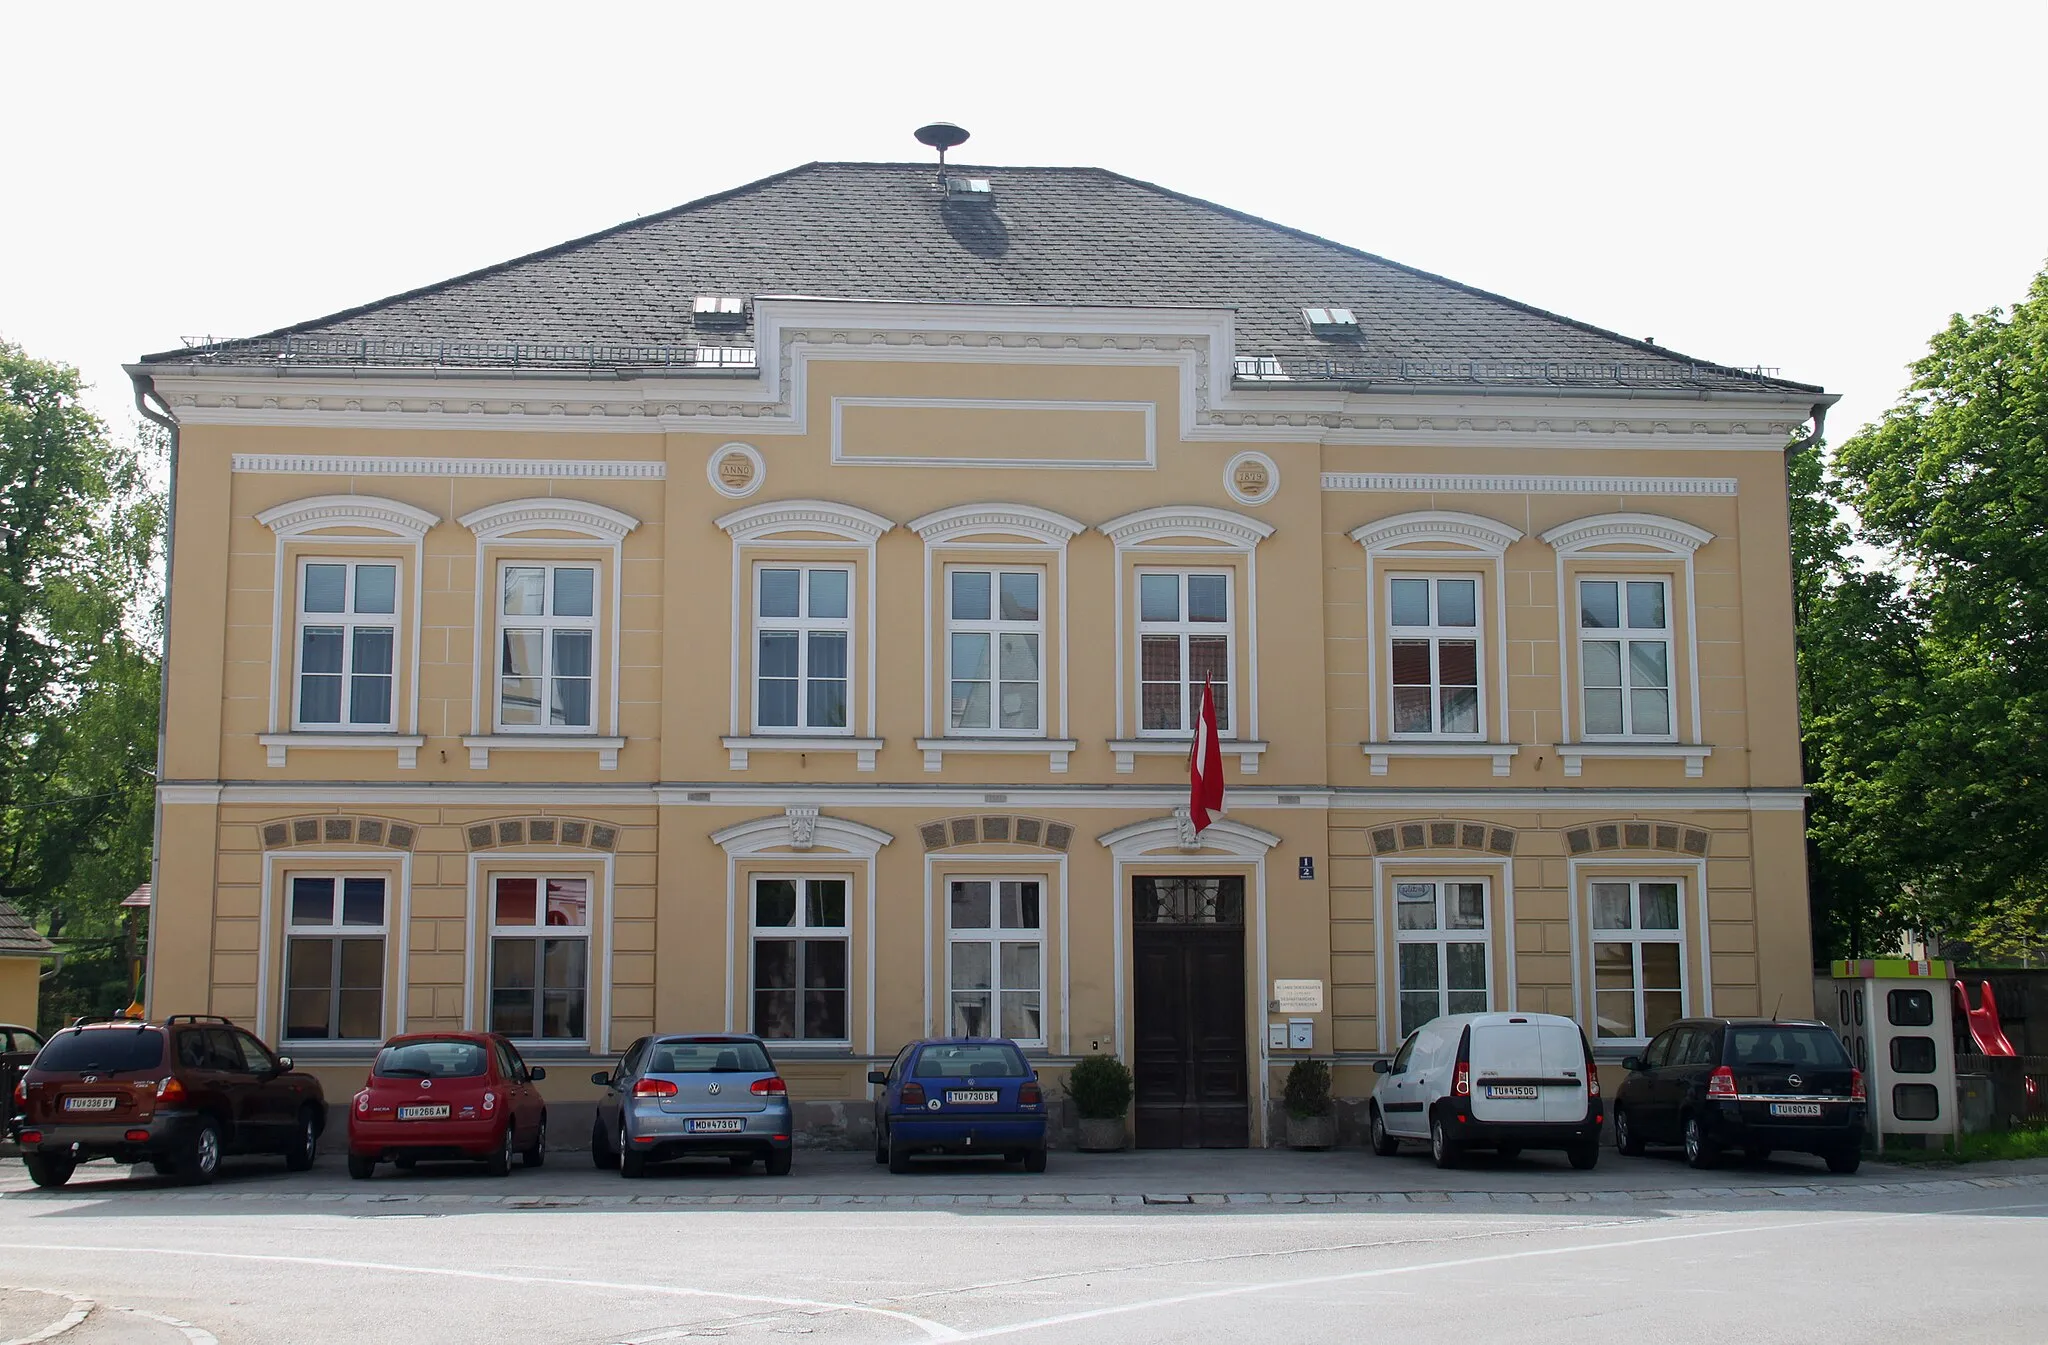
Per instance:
x=800, y=829
x=368, y=512
x=532, y=469
x=1157, y=835
x=594, y=521
x=1400, y=483
x=1146, y=526
x=1487, y=535
x=1651, y=532
x=838, y=520
x=1026, y=522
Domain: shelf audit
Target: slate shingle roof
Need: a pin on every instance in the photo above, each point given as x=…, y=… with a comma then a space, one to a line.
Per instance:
x=18, y=936
x=1082, y=236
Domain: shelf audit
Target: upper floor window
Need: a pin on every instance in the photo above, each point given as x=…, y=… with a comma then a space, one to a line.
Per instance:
x=1625, y=657
x=1434, y=628
x=348, y=639
x=993, y=639
x=545, y=646
x=804, y=632
x=1184, y=631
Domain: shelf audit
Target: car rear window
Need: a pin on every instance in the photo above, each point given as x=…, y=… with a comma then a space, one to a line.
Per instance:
x=1813, y=1046
x=708, y=1057
x=431, y=1060
x=994, y=1060
x=102, y=1050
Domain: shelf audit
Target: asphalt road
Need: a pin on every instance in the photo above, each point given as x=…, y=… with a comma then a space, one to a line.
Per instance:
x=263, y=1259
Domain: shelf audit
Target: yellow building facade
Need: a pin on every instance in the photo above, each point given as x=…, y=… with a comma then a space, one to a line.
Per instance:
x=828, y=671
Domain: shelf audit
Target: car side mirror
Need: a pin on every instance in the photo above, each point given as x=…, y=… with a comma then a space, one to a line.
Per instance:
x=536, y=1073
x=602, y=1078
x=877, y=1076
x=1382, y=1067
x=284, y=1064
x=1632, y=1063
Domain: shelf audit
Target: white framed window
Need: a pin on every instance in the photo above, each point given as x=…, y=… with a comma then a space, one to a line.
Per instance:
x=348, y=644
x=994, y=638
x=1625, y=658
x=540, y=957
x=335, y=926
x=1434, y=634
x=1184, y=634
x=1442, y=948
x=1638, y=956
x=802, y=956
x=547, y=638
x=803, y=624
x=995, y=958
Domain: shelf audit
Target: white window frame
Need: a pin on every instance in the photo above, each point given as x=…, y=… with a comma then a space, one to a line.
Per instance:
x=804, y=626
x=1440, y=937
x=538, y=931
x=1436, y=632
x=1226, y=718
x=335, y=930
x=992, y=937
x=349, y=621
x=1624, y=635
x=799, y=931
x=994, y=627
x=1635, y=937
x=547, y=624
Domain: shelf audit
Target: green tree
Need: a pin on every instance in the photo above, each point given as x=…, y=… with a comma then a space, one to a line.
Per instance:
x=79, y=630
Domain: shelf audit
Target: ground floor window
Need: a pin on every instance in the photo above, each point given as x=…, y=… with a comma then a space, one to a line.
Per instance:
x=802, y=952
x=1638, y=957
x=1440, y=948
x=995, y=958
x=334, y=957
x=540, y=957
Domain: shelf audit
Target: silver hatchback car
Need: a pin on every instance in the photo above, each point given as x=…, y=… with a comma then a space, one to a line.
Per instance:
x=692, y=1097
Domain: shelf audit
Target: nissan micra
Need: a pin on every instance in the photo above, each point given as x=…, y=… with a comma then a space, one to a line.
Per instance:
x=692, y=1097
x=959, y=1095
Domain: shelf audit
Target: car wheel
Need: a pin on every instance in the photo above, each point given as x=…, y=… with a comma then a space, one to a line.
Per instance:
x=361, y=1166
x=1585, y=1157
x=1845, y=1160
x=779, y=1161
x=538, y=1154
x=1383, y=1144
x=1627, y=1138
x=601, y=1152
x=1442, y=1147
x=899, y=1157
x=499, y=1164
x=50, y=1169
x=630, y=1163
x=1698, y=1151
x=201, y=1158
x=1034, y=1159
x=305, y=1142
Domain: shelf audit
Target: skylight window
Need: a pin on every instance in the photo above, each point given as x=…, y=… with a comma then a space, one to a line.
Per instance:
x=1330, y=321
x=719, y=310
x=970, y=188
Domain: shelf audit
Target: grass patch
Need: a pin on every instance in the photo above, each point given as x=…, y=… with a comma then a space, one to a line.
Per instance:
x=2028, y=1142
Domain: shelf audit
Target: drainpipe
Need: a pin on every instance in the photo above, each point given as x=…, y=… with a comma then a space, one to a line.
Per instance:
x=145, y=389
x=1800, y=445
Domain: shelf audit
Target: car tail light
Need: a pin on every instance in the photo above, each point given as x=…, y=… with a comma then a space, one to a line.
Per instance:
x=912, y=1095
x=772, y=1086
x=170, y=1090
x=654, y=1088
x=1461, y=1081
x=1592, y=1079
x=1856, y=1093
x=1030, y=1095
x=1721, y=1083
x=21, y=1092
x=31, y=1137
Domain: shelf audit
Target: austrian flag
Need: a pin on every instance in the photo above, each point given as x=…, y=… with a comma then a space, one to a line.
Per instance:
x=1205, y=767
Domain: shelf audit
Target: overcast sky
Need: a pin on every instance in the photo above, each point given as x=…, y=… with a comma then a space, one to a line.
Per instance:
x=1811, y=187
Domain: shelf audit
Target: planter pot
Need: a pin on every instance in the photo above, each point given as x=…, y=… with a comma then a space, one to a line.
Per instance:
x=1100, y=1135
x=1314, y=1132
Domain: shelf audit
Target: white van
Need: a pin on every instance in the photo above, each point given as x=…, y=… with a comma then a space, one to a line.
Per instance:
x=1500, y=1081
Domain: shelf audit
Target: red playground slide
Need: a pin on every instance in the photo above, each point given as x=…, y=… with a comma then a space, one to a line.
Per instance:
x=1985, y=1028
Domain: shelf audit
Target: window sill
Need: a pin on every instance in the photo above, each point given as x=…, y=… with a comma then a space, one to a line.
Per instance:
x=1128, y=750
x=737, y=749
x=1381, y=753
x=407, y=745
x=1694, y=755
x=1058, y=749
x=480, y=748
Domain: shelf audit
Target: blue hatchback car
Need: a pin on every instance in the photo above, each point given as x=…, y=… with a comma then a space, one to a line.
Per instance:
x=959, y=1095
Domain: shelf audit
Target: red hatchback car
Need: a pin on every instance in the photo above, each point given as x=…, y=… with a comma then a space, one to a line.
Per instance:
x=434, y=1095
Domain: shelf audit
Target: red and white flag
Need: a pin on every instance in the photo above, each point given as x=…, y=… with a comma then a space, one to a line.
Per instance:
x=1205, y=766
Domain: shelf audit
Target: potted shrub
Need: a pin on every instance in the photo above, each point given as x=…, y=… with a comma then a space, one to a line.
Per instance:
x=1311, y=1116
x=1100, y=1089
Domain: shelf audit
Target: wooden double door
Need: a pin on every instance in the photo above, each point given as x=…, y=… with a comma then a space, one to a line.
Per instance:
x=1189, y=1050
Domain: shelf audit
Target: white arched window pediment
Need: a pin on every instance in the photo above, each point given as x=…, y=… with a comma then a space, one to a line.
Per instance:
x=801, y=830
x=1021, y=522
x=1221, y=526
x=594, y=521
x=366, y=513
x=1645, y=532
x=1176, y=834
x=1442, y=527
x=836, y=520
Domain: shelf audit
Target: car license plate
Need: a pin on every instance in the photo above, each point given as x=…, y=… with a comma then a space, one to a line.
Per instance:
x=970, y=1095
x=88, y=1104
x=426, y=1111
x=716, y=1126
x=1795, y=1109
x=1511, y=1090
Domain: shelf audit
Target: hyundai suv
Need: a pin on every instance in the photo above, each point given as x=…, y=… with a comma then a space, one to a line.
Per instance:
x=177, y=1095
